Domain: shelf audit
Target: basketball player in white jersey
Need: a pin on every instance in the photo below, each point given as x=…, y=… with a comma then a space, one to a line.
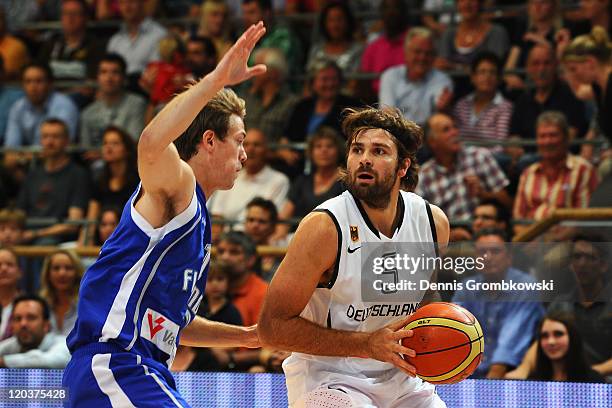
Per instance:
x=346, y=352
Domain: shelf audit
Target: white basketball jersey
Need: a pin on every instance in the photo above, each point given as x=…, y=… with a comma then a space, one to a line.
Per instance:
x=340, y=305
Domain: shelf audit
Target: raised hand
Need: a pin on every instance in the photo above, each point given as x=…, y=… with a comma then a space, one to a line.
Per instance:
x=233, y=69
x=385, y=345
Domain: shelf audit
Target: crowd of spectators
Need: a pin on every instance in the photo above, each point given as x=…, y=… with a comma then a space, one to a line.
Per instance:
x=516, y=106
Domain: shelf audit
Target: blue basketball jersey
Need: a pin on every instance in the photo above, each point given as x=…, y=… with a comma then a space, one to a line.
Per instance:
x=147, y=283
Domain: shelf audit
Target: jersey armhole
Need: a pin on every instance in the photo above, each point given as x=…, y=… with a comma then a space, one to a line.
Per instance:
x=331, y=282
x=432, y=225
x=178, y=221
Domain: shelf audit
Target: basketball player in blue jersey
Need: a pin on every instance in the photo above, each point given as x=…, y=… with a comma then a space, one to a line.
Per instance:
x=346, y=351
x=141, y=296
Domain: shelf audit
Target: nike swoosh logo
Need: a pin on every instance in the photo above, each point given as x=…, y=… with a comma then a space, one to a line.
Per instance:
x=351, y=250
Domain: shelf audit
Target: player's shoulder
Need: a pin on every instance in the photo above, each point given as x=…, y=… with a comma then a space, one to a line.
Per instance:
x=319, y=218
x=316, y=229
x=340, y=198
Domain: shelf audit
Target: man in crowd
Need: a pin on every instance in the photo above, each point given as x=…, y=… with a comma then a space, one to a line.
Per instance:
x=416, y=88
x=558, y=180
x=247, y=290
x=73, y=54
x=261, y=219
x=508, y=318
x=32, y=344
x=259, y=225
x=137, y=40
x=201, y=56
x=39, y=103
x=58, y=189
x=269, y=100
x=549, y=93
x=257, y=178
x=489, y=214
x=457, y=178
x=114, y=105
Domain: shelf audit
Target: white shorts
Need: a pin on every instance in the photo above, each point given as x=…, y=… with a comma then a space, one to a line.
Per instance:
x=311, y=384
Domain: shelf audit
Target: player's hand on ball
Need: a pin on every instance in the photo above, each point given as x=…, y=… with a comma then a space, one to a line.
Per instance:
x=385, y=345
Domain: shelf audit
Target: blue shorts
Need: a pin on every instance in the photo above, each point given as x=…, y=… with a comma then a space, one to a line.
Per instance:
x=104, y=375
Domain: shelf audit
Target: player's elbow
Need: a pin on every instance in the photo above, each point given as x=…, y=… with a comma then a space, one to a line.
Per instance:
x=268, y=329
x=148, y=148
x=265, y=330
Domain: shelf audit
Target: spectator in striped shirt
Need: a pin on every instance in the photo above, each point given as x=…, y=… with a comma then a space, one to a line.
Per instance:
x=558, y=180
x=458, y=178
x=484, y=115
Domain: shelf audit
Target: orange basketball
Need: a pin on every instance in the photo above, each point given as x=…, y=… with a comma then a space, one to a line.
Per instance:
x=448, y=342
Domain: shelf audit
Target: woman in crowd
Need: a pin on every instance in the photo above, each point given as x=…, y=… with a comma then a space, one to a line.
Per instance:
x=484, y=115
x=326, y=155
x=105, y=225
x=214, y=24
x=541, y=25
x=560, y=354
x=323, y=108
x=60, y=281
x=107, y=222
x=459, y=45
x=118, y=179
x=10, y=274
x=337, y=28
x=588, y=60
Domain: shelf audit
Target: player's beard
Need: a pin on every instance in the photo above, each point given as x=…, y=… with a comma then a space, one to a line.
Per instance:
x=376, y=195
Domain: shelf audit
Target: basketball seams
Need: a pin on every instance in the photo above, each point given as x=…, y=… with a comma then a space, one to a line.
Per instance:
x=469, y=327
x=470, y=342
x=473, y=354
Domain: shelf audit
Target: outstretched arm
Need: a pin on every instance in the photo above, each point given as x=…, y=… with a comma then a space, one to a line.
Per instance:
x=206, y=333
x=281, y=326
x=164, y=175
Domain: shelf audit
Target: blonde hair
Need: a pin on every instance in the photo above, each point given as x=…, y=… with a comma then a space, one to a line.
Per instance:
x=207, y=7
x=418, y=31
x=214, y=116
x=168, y=46
x=596, y=44
x=47, y=291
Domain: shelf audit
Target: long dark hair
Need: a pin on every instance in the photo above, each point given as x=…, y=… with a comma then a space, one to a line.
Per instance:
x=351, y=24
x=574, y=360
x=130, y=178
